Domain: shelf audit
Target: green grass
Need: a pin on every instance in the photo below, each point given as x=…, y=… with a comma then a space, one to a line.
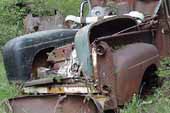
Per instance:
x=11, y=16
x=159, y=102
x=6, y=90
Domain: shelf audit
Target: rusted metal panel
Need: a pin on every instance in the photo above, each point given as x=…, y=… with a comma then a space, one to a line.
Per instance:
x=98, y=2
x=34, y=24
x=103, y=71
x=130, y=64
x=105, y=66
x=148, y=7
x=89, y=33
x=52, y=104
x=104, y=2
x=162, y=40
x=59, y=55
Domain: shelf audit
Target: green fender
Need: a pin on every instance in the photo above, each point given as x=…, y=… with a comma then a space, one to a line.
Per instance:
x=82, y=46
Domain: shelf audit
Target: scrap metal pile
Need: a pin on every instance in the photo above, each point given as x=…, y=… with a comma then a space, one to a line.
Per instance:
x=101, y=69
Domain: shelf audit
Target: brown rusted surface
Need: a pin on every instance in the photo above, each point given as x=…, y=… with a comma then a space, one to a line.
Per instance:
x=162, y=40
x=52, y=57
x=53, y=104
x=146, y=6
x=98, y=2
x=34, y=24
x=124, y=53
x=60, y=54
x=104, y=74
x=104, y=2
x=130, y=64
x=122, y=70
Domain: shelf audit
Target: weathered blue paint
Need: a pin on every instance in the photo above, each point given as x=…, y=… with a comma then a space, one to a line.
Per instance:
x=19, y=53
x=83, y=50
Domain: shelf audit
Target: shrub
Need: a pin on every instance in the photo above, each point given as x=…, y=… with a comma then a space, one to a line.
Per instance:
x=12, y=14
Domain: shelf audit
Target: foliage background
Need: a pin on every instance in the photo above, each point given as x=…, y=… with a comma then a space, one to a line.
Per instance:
x=11, y=16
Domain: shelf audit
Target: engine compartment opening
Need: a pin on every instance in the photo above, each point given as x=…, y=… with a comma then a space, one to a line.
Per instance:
x=110, y=27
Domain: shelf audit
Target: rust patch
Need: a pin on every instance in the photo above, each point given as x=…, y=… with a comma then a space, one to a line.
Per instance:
x=104, y=73
x=34, y=24
x=52, y=104
x=59, y=55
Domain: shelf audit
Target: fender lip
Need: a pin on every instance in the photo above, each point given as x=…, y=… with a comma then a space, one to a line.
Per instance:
x=131, y=62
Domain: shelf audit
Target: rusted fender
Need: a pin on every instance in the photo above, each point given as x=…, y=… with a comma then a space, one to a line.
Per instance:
x=130, y=63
